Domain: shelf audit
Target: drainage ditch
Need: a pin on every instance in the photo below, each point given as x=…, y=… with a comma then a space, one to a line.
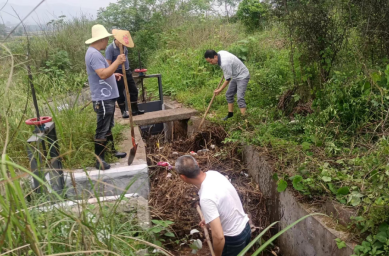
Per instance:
x=172, y=200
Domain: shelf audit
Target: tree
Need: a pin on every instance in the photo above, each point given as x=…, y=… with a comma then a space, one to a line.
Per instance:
x=319, y=28
x=252, y=13
x=372, y=19
x=228, y=4
x=127, y=14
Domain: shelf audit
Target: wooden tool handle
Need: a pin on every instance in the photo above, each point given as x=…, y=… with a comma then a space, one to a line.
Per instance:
x=210, y=104
x=205, y=231
x=127, y=94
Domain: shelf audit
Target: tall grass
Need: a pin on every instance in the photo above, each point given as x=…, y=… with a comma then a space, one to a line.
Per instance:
x=67, y=35
x=29, y=223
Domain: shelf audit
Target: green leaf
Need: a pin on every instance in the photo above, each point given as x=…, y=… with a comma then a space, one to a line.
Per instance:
x=297, y=182
x=163, y=223
x=376, y=77
x=383, y=227
x=355, y=201
x=382, y=237
x=282, y=185
x=326, y=178
x=306, y=146
x=156, y=230
x=343, y=191
x=169, y=234
x=332, y=188
x=341, y=244
x=275, y=177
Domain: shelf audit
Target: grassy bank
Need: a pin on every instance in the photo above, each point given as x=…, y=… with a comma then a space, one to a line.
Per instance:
x=331, y=145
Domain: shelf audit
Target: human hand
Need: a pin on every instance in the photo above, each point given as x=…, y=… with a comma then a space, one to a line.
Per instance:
x=121, y=59
x=216, y=92
x=118, y=76
x=202, y=224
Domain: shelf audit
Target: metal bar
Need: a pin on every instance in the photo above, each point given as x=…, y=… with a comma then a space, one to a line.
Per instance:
x=160, y=89
x=151, y=76
x=34, y=166
x=56, y=173
x=143, y=90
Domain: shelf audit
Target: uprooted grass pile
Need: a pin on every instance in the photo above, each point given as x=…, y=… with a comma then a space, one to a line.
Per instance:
x=172, y=199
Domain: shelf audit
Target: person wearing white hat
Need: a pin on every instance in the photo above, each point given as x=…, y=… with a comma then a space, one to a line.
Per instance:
x=104, y=92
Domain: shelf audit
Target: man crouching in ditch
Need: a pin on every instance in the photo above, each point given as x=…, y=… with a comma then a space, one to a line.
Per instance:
x=221, y=207
x=104, y=92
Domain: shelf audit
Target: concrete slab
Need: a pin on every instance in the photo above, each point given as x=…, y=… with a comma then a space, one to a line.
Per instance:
x=120, y=177
x=164, y=116
x=131, y=203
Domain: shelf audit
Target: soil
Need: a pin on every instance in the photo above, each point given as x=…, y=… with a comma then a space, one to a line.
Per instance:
x=172, y=199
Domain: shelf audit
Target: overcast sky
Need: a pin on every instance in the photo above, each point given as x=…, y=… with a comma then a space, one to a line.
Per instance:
x=50, y=8
x=91, y=4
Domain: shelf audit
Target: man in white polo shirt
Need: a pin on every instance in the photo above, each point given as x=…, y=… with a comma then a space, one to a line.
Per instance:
x=237, y=77
x=221, y=207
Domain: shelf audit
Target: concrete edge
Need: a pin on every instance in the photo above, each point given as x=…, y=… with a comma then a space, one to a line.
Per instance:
x=315, y=235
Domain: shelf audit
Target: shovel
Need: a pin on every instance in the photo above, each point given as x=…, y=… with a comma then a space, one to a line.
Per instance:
x=206, y=233
x=131, y=157
x=210, y=104
x=124, y=38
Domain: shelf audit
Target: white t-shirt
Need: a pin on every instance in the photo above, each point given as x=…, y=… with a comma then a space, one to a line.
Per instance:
x=218, y=198
x=232, y=67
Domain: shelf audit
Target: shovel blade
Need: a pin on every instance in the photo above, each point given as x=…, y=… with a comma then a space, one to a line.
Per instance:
x=131, y=157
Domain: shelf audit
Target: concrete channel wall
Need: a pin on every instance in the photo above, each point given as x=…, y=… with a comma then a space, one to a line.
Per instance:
x=315, y=236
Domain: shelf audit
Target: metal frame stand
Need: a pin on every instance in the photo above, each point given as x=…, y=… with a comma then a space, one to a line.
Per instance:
x=152, y=106
x=36, y=148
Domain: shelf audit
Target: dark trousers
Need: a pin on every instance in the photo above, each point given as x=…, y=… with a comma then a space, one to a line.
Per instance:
x=131, y=87
x=235, y=244
x=105, y=110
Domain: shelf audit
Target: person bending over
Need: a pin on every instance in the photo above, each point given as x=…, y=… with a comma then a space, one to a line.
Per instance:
x=237, y=77
x=221, y=207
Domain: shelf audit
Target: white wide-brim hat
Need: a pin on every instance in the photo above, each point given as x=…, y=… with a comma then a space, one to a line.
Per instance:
x=98, y=32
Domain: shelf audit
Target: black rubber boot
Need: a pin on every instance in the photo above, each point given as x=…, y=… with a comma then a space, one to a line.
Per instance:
x=113, y=150
x=123, y=110
x=100, y=152
x=230, y=114
x=135, y=109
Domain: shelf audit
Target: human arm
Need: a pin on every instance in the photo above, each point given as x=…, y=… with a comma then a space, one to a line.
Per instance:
x=104, y=73
x=218, y=240
x=118, y=76
x=212, y=218
x=217, y=91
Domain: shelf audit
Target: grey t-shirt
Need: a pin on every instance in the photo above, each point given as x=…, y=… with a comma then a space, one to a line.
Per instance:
x=112, y=52
x=100, y=89
x=232, y=67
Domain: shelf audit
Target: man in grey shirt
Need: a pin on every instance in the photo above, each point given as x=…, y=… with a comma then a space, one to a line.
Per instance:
x=104, y=92
x=111, y=53
x=237, y=77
